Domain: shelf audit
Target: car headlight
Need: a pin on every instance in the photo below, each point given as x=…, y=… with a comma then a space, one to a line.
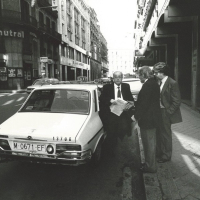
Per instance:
x=4, y=144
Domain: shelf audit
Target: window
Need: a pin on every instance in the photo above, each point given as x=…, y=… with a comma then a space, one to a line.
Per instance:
x=78, y=56
x=58, y=101
x=76, y=23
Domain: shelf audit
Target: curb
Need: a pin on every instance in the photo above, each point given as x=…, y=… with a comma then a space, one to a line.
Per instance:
x=127, y=184
x=152, y=187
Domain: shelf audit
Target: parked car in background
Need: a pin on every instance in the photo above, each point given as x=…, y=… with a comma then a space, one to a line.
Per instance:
x=40, y=82
x=135, y=86
x=57, y=124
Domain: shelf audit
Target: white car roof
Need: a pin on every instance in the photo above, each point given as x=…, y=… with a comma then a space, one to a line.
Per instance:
x=130, y=79
x=89, y=87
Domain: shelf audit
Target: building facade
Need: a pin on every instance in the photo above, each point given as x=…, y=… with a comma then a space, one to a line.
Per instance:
x=169, y=31
x=55, y=38
x=26, y=34
x=95, y=46
x=74, y=26
x=121, y=55
x=104, y=56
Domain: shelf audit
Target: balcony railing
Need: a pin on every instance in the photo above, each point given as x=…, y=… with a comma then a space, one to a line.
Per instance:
x=27, y=48
x=15, y=17
x=43, y=3
x=49, y=31
x=9, y=16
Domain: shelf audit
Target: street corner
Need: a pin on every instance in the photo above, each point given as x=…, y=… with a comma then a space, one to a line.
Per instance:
x=127, y=184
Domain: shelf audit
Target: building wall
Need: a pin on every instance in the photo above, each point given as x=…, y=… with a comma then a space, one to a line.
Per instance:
x=21, y=34
x=74, y=57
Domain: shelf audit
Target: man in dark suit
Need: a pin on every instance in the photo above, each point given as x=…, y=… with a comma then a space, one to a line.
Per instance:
x=170, y=101
x=116, y=126
x=147, y=114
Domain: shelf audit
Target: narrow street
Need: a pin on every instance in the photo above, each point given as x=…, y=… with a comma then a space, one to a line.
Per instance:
x=36, y=181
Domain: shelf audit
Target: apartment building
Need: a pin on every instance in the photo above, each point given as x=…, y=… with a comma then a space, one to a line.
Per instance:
x=74, y=26
x=27, y=33
x=168, y=31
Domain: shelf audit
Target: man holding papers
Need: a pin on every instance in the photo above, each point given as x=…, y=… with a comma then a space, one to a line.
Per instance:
x=116, y=108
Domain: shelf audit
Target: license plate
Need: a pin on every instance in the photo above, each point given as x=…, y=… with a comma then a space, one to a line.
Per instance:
x=29, y=147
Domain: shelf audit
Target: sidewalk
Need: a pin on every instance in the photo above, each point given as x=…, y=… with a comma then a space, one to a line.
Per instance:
x=179, y=178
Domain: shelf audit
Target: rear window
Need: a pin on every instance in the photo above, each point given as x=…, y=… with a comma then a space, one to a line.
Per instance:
x=58, y=101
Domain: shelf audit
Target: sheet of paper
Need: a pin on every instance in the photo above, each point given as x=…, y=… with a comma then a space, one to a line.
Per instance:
x=118, y=108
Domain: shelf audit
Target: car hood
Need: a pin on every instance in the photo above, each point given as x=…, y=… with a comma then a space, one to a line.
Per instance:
x=46, y=126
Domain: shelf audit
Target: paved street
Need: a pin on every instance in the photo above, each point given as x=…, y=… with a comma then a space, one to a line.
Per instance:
x=179, y=178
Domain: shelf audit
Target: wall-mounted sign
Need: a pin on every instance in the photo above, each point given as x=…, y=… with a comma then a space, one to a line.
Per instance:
x=19, y=73
x=11, y=33
x=54, y=5
x=43, y=59
x=11, y=73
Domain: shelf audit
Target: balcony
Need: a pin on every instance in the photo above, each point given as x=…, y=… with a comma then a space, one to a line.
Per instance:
x=49, y=54
x=47, y=3
x=27, y=48
x=44, y=3
x=49, y=31
x=56, y=57
x=14, y=17
x=43, y=52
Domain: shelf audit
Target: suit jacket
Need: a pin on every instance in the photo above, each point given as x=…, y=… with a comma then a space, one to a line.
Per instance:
x=171, y=100
x=107, y=94
x=147, y=111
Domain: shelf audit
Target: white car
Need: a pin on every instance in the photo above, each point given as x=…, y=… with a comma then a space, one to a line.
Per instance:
x=135, y=86
x=56, y=124
x=40, y=82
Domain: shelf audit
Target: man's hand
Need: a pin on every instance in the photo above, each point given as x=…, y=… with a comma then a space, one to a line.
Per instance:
x=129, y=105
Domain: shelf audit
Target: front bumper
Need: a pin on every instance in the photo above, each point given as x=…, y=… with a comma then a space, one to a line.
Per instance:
x=61, y=158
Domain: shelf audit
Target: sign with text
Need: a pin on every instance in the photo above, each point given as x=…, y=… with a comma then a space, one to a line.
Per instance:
x=43, y=59
x=54, y=5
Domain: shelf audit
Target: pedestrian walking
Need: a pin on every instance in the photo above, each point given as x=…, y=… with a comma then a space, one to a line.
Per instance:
x=147, y=114
x=170, y=101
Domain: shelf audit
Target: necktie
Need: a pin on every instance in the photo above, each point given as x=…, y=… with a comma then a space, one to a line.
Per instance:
x=118, y=93
x=160, y=83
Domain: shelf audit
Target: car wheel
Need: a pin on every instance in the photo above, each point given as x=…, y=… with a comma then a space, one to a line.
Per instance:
x=96, y=157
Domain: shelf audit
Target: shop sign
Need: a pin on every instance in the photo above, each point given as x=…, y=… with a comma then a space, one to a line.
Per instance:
x=11, y=33
x=43, y=59
x=19, y=73
x=70, y=62
x=12, y=73
x=3, y=74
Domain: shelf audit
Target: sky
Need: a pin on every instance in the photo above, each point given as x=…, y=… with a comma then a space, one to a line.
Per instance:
x=116, y=18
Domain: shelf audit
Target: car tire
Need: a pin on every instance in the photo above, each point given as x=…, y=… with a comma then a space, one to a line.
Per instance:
x=96, y=156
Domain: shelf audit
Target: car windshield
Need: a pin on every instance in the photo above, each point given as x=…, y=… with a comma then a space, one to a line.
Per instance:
x=58, y=101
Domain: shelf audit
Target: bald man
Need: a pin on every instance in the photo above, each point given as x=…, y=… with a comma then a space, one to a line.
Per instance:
x=116, y=126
